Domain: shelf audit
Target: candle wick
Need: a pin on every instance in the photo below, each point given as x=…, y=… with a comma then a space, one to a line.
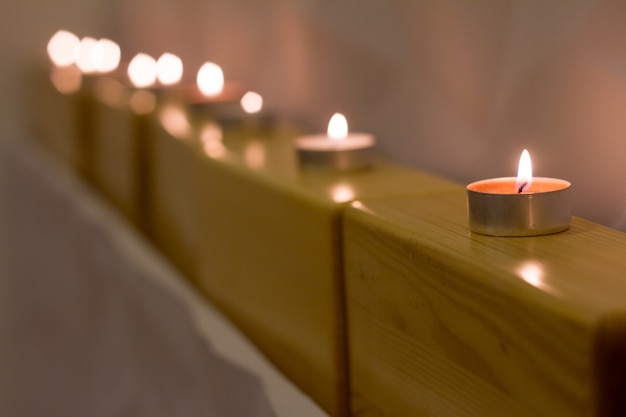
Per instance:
x=521, y=187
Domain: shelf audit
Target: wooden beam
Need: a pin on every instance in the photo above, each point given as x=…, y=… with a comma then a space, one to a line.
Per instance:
x=446, y=322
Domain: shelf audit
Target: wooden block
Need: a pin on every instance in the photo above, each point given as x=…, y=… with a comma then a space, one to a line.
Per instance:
x=61, y=112
x=122, y=149
x=270, y=252
x=173, y=202
x=114, y=167
x=443, y=322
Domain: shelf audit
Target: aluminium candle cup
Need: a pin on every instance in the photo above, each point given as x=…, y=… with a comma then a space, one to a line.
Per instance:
x=544, y=210
x=220, y=106
x=353, y=152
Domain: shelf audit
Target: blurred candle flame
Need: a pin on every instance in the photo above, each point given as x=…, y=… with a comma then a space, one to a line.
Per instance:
x=63, y=48
x=85, y=59
x=524, y=173
x=337, y=127
x=106, y=55
x=252, y=102
x=142, y=70
x=210, y=79
x=169, y=69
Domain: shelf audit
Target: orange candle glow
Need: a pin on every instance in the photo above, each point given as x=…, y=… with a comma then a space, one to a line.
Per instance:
x=519, y=206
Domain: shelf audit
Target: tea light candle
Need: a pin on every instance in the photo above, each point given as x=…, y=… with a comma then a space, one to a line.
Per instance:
x=519, y=206
x=211, y=88
x=212, y=97
x=338, y=149
x=62, y=50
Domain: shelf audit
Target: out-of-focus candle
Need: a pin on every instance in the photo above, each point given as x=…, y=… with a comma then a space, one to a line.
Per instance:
x=210, y=79
x=142, y=70
x=212, y=88
x=254, y=117
x=106, y=55
x=212, y=97
x=169, y=69
x=85, y=60
x=63, y=48
x=153, y=78
x=519, y=206
x=251, y=102
x=338, y=149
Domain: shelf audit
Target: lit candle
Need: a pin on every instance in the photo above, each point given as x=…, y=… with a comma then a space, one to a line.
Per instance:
x=142, y=72
x=338, y=149
x=97, y=56
x=214, y=98
x=106, y=55
x=254, y=117
x=62, y=50
x=212, y=88
x=169, y=69
x=519, y=206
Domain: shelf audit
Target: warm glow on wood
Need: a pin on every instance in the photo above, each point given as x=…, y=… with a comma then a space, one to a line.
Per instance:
x=174, y=120
x=142, y=70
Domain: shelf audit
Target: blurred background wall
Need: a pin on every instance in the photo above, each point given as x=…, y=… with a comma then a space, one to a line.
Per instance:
x=454, y=87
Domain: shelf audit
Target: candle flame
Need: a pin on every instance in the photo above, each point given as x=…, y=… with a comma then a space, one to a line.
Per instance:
x=524, y=173
x=86, y=58
x=210, y=79
x=252, y=102
x=106, y=55
x=63, y=48
x=169, y=69
x=142, y=70
x=337, y=127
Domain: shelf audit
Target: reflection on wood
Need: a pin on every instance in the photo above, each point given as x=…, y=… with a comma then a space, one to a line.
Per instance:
x=445, y=322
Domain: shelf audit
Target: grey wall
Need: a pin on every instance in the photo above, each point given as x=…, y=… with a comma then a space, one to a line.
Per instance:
x=455, y=87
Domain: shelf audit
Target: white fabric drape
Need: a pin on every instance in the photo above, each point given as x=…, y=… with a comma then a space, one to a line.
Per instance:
x=93, y=323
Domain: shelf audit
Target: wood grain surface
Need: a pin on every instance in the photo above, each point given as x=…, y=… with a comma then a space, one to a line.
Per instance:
x=270, y=252
x=443, y=322
x=113, y=166
x=173, y=189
